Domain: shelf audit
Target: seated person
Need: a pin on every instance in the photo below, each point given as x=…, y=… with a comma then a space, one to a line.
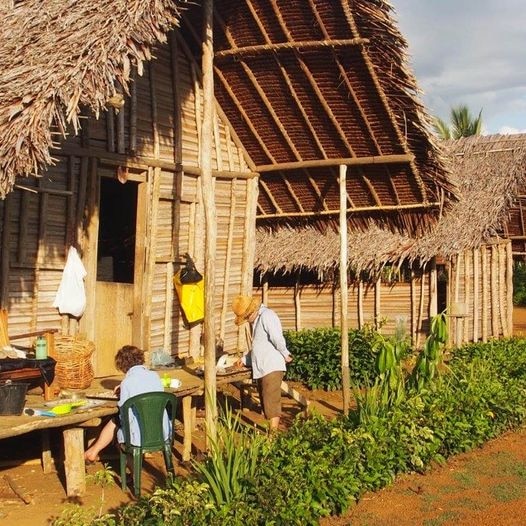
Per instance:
x=130, y=360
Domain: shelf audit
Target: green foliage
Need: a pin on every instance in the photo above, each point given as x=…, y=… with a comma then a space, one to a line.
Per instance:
x=463, y=124
x=75, y=515
x=317, y=357
x=430, y=358
x=519, y=283
x=233, y=459
x=319, y=467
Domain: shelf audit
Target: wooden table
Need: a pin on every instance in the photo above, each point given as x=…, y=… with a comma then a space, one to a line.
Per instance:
x=72, y=426
x=193, y=385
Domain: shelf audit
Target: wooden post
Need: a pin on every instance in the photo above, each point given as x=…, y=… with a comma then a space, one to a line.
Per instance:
x=484, y=265
x=297, y=302
x=476, y=293
x=494, y=267
x=74, y=465
x=361, y=318
x=503, y=306
x=467, y=294
x=344, y=292
x=209, y=206
x=413, y=306
x=433, y=290
x=509, y=286
x=377, y=303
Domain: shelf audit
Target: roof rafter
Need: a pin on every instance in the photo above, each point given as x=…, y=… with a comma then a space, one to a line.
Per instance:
x=349, y=161
x=238, y=105
x=403, y=143
x=260, y=91
x=270, y=196
x=345, y=77
x=288, y=81
x=292, y=193
x=313, y=82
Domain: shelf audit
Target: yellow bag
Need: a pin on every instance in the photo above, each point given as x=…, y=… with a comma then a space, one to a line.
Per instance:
x=191, y=298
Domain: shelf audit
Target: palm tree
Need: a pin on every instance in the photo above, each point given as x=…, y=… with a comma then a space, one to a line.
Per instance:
x=463, y=124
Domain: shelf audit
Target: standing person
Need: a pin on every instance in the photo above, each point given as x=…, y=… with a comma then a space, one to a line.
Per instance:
x=138, y=379
x=269, y=354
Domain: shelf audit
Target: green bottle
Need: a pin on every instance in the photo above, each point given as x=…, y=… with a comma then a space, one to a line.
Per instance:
x=41, y=348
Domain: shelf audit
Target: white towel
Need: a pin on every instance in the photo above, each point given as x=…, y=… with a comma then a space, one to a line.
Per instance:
x=71, y=295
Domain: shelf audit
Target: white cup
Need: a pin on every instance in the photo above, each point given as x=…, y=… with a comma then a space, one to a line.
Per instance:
x=175, y=383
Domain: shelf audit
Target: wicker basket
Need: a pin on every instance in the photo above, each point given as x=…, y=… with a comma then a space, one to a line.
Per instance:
x=73, y=355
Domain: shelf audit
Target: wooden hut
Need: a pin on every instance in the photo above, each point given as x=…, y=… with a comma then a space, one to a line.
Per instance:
x=463, y=265
x=101, y=127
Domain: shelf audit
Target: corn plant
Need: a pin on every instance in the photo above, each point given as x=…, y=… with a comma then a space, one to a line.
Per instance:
x=426, y=368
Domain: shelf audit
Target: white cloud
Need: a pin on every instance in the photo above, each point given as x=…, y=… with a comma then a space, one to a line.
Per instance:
x=508, y=130
x=469, y=52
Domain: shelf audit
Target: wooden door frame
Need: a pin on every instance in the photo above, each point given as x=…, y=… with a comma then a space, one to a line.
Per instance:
x=90, y=249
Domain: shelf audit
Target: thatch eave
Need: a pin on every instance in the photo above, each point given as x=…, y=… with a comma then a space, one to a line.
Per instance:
x=56, y=60
x=489, y=170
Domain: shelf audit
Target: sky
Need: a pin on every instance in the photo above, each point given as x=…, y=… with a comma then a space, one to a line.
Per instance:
x=470, y=52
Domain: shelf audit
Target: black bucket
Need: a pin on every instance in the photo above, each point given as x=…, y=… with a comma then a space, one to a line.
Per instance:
x=12, y=398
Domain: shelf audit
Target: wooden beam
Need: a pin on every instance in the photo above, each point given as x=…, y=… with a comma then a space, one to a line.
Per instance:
x=349, y=161
x=358, y=210
x=288, y=46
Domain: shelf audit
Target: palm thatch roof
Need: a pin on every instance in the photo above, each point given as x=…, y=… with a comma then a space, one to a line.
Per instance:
x=57, y=57
x=312, y=84
x=307, y=85
x=490, y=172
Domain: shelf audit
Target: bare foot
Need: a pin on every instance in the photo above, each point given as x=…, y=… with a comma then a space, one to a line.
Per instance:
x=90, y=456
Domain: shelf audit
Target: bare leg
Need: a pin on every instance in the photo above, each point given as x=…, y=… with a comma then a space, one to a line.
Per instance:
x=104, y=439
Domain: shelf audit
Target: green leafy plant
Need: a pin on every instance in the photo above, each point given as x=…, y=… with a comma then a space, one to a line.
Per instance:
x=233, y=459
x=430, y=358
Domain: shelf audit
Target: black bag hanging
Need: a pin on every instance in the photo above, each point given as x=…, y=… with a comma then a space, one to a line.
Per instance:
x=189, y=274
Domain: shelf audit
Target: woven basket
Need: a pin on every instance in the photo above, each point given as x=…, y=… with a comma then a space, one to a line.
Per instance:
x=73, y=355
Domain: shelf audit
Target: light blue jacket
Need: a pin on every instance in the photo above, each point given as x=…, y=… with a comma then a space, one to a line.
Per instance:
x=139, y=380
x=269, y=348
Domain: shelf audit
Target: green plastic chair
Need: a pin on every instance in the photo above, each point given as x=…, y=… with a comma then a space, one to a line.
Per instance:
x=149, y=409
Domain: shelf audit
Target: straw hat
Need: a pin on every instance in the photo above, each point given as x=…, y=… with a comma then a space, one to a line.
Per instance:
x=244, y=307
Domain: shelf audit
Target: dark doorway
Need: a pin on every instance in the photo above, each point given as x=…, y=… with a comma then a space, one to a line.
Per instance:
x=117, y=221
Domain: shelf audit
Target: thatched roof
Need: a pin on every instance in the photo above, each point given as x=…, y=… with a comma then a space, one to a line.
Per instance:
x=307, y=85
x=57, y=57
x=490, y=172
x=311, y=84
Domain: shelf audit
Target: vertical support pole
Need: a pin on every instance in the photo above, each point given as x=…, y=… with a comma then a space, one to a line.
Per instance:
x=207, y=189
x=344, y=291
x=74, y=464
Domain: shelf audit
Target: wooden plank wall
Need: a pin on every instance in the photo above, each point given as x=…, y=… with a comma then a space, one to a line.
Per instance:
x=389, y=306
x=482, y=279
x=155, y=138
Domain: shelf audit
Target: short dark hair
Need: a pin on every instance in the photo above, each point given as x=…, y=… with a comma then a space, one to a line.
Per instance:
x=127, y=357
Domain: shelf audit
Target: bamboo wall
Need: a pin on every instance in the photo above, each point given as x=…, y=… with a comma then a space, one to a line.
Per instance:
x=481, y=284
x=481, y=279
x=381, y=305
x=153, y=140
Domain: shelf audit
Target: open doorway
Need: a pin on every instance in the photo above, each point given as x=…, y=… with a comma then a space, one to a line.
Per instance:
x=116, y=262
x=117, y=226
